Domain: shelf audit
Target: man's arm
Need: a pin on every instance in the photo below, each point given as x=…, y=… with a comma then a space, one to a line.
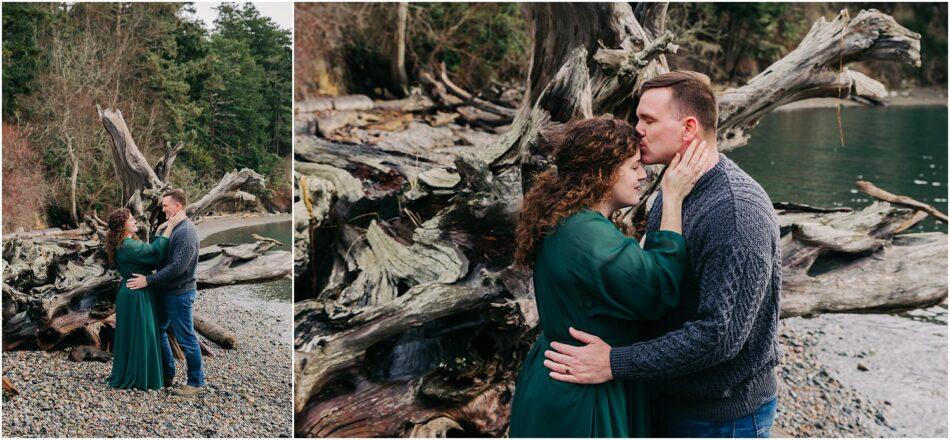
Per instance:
x=732, y=288
x=179, y=258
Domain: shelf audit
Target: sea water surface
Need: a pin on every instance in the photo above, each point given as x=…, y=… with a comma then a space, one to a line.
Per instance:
x=797, y=156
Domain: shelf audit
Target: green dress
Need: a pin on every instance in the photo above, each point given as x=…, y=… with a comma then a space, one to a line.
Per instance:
x=589, y=276
x=137, y=361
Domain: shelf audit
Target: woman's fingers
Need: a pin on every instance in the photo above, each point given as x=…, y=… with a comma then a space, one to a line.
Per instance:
x=700, y=161
x=690, y=152
x=675, y=161
x=697, y=153
x=700, y=150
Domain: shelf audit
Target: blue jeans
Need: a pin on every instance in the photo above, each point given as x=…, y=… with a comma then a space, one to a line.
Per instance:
x=176, y=315
x=755, y=425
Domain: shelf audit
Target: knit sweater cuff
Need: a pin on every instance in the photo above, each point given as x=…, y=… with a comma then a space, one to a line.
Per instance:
x=618, y=368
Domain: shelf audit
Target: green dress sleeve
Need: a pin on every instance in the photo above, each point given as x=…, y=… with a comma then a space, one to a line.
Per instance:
x=148, y=255
x=627, y=281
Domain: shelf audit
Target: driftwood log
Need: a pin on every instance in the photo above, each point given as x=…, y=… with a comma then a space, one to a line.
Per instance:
x=84, y=353
x=9, y=387
x=410, y=320
x=57, y=288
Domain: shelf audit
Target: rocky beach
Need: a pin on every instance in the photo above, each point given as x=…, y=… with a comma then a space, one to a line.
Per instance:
x=248, y=390
x=864, y=376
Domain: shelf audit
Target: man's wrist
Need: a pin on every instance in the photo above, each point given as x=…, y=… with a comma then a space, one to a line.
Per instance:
x=610, y=362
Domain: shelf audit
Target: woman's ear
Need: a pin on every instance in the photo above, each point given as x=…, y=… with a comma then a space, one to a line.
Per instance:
x=690, y=128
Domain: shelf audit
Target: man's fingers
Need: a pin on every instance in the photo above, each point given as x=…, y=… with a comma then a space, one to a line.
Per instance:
x=586, y=338
x=559, y=358
x=556, y=367
x=564, y=377
x=564, y=348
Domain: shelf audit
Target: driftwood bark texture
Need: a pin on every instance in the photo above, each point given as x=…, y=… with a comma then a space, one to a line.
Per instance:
x=409, y=318
x=58, y=289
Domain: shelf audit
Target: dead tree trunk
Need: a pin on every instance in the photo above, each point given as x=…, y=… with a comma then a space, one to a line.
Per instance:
x=57, y=286
x=405, y=292
x=74, y=162
x=400, y=79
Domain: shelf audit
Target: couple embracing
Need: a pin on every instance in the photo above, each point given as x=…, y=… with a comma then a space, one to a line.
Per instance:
x=148, y=306
x=674, y=338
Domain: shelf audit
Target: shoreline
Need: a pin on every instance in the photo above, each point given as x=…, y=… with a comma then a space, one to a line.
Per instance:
x=248, y=389
x=210, y=225
x=920, y=97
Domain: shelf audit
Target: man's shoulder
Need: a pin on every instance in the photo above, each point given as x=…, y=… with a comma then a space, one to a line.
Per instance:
x=737, y=211
x=738, y=192
x=186, y=229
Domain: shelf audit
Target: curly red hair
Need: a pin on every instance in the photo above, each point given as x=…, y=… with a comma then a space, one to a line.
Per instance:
x=587, y=157
x=116, y=224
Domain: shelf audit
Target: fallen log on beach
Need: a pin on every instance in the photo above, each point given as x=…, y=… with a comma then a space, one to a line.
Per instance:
x=9, y=387
x=86, y=353
x=214, y=332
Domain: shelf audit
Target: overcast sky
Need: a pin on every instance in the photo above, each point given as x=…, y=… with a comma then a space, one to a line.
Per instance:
x=281, y=12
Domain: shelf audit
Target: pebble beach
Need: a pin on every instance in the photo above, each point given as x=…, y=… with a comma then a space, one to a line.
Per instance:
x=874, y=375
x=248, y=391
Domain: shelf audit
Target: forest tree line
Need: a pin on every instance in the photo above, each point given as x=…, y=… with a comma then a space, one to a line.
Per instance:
x=347, y=48
x=224, y=93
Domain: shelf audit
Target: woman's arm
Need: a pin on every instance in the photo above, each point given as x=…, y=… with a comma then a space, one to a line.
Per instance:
x=629, y=281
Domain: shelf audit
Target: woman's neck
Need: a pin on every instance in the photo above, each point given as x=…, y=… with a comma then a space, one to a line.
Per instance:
x=605, y=208
x=127, y=234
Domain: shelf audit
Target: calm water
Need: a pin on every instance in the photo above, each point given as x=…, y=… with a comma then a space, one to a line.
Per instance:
x=279, y=290
x=797, y=156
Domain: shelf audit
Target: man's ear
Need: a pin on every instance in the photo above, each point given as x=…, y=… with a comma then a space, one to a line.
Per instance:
x=690, y=128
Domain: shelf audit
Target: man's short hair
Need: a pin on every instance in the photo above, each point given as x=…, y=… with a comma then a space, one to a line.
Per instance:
x=692, y=95
x=177, y=195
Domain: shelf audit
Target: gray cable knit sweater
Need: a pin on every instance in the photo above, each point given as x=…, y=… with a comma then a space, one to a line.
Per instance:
x=714, y=354
x=177, y=270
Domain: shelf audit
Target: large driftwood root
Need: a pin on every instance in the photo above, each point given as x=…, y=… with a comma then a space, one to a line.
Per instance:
x=57, y=288
x=409, y=319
